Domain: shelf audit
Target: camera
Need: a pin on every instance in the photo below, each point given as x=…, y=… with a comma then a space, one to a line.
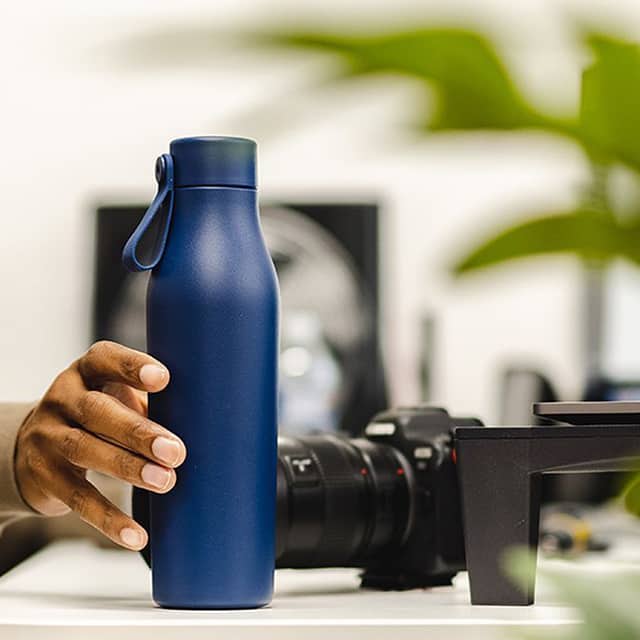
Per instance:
x=387, y=502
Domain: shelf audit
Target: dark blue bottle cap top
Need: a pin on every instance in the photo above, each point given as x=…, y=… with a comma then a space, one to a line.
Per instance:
x=215, y=161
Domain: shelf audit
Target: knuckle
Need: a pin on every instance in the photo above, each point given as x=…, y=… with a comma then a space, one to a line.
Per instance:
x=129, y=366
x=138, y=436
x=99, y=349
x=57, y=395
x=42, y=438
x=90, y=364
x=109, y=515
x=93, y=404
x=126, y=465
x=79, y=503
x=35, y=462
x=52, y=401
x=73, y=445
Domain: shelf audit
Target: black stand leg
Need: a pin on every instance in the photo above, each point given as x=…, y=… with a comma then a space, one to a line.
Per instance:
x=500, y=471
x=501, y=504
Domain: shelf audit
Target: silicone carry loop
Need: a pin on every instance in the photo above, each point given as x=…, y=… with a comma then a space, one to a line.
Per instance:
x=164, y=176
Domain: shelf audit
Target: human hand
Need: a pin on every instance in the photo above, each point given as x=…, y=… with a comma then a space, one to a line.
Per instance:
x=94, y=416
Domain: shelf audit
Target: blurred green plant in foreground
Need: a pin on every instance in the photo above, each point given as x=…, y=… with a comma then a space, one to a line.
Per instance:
x=472, y=90
x=608, y=605
x=631, y=495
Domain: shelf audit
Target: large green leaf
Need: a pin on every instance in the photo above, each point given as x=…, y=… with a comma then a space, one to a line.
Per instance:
x=472, y=87
x=588, y=234
x=610, y=109
x=607, y=605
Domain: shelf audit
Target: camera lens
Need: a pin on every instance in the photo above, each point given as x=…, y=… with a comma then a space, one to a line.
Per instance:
x=340, y=501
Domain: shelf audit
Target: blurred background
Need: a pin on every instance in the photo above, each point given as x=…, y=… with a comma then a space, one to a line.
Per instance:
x=450, y=193
x=404, y=152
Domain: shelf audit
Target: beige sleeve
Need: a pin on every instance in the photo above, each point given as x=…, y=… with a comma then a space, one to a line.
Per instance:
x=12, y=506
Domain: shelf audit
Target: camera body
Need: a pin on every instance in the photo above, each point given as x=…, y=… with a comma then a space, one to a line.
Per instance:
x=404, y=527
x=434, y=550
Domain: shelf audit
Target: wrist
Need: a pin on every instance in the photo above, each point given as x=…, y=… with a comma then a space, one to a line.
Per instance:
x=12, y=418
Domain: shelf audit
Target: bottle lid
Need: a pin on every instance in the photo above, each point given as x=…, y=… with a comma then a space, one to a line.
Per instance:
x=217, y=161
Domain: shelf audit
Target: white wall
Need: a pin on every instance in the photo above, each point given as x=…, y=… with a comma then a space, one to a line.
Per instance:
x=78, y=124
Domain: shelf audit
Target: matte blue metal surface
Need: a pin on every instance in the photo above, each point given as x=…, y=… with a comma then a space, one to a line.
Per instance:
x=210, y=160
x=212, y=318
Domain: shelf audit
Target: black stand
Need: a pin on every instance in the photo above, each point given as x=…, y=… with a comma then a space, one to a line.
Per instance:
x=500, y=469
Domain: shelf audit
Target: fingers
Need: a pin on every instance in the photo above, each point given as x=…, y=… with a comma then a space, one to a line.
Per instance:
x=93, y=416
x=108, y=418
x=83, y=498
x=83, y=450
x=111, y=362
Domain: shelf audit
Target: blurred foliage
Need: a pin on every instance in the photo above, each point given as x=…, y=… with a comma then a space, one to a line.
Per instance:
x=631, y=496
x=610, y=109
x=472, y=87
x=473, y=90
x=607, y=606
x=593, y=235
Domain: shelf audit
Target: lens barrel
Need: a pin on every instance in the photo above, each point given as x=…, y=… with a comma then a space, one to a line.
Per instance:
x=340, y=501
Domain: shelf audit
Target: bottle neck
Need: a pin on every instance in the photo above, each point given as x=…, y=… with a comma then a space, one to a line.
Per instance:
x=215, y=186
x=226, y=203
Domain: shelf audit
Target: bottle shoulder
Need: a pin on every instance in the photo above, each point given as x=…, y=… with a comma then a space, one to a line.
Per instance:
x=216, y=278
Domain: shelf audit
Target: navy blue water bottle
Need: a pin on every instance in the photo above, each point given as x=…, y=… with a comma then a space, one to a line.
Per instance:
x=212, y=318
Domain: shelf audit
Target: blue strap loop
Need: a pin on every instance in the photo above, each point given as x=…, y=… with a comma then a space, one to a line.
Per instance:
x=164, y=176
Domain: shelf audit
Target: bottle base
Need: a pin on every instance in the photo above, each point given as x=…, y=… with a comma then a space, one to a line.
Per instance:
x=210, y=606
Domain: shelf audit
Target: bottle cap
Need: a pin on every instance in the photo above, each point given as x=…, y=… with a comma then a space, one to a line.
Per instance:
x=216, y=161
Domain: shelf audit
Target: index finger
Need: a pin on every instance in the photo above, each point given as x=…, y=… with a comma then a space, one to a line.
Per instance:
x=112, y=362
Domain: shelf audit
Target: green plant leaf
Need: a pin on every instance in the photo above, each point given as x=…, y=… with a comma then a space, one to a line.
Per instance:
x=631, y=495
x=607, y=605
x=610, y=105
x=591, y=235
x=472, y=87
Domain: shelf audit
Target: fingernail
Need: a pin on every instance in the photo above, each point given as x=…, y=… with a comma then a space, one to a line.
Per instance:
x=132, y=538
x=168, y=451
x=156, y=476
x=152, y=375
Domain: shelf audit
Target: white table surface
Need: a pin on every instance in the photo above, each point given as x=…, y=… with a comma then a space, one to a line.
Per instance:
x=74, y=590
